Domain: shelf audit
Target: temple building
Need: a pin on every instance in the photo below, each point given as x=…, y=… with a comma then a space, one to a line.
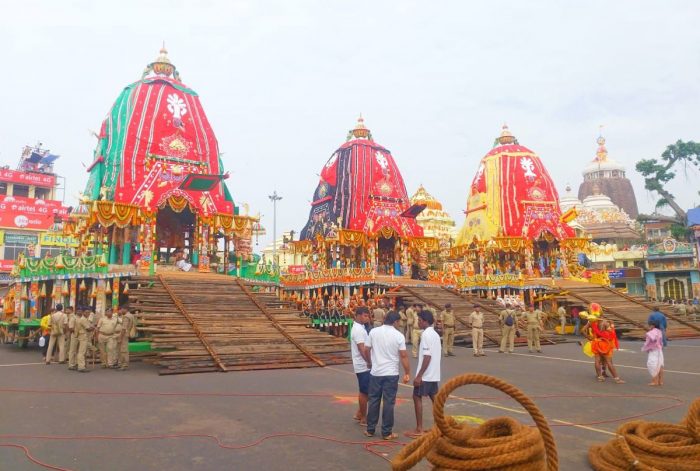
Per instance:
x=361, y=216
x=601, y=219
x=605, y=176
x=435, y=221
x=514, y=224
x=156, y=189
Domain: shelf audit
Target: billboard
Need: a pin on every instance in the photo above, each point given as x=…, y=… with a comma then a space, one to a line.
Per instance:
x=18, y=212
x=27, y=178
x=6, y=265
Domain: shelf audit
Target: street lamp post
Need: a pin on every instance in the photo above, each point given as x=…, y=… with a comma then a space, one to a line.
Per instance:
x=274, y=197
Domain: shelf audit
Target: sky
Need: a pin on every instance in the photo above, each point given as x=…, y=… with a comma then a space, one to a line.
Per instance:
x=283, y=81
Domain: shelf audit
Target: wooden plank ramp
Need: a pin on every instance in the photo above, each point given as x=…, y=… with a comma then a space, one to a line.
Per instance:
x=207, y=322
x=630, y=313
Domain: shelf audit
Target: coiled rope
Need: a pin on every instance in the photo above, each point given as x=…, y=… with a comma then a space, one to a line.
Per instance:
x=647, y=446
x=501, y=443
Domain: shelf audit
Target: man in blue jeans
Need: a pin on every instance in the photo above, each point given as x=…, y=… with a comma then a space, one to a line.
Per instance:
x=387, y=347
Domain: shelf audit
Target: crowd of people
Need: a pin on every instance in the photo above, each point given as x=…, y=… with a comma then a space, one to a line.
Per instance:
x=69, y=335
x=380, y=335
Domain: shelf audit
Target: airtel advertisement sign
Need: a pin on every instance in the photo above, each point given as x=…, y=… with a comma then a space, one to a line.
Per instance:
x=27, y=178
x=17, y=212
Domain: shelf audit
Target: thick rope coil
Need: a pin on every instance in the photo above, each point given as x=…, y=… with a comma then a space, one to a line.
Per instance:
x=501, y=443
x=648, y=446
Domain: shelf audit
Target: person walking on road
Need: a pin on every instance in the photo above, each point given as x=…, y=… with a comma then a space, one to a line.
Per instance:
x=427, y=378
x=476, y=322
x=654, y=346
x=387, y=348
x=447, y=318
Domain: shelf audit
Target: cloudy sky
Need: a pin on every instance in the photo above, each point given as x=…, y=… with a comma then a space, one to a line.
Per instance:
x=283, y=81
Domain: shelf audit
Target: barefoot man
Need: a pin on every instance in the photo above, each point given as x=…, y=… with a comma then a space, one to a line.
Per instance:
x=428, y=369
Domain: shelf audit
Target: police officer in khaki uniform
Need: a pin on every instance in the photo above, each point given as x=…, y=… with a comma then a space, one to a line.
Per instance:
x=476, y=321
x=507, y=319
x=58, y=327
x=108, y=328
x=83, y=329
x=416, y=332
x=378, y=314
x=561, y=312
x=128, y=331
x=447, y=318
x=534, y=320
x=410, y=320
x=402, y=321
x=72, y=334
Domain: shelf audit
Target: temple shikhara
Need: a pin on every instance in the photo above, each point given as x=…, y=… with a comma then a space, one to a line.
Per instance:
x=434, y=220
x=361, y=216
x=603, y=175
x=514, y=225
x=156, y=185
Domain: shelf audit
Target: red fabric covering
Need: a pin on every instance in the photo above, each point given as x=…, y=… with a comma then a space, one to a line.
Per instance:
x=361, y=185
x=168, y=122
x=520, y=197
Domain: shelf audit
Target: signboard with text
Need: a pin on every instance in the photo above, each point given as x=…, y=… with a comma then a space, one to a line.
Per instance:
x=27, y=178
x=56, y=239
x=10, y=238
x=627, y=272
x=17, y=212
x=6, y=265
x=296, y=269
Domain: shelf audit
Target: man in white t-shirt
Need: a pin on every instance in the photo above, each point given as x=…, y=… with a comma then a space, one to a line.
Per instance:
x=387, y=348
x=361, y=360
x=428, y=369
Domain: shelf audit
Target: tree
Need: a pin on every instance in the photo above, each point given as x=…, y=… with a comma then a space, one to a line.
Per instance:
x=658, y=174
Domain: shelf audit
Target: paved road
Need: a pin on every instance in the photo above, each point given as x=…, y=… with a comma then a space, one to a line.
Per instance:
x=137, y=408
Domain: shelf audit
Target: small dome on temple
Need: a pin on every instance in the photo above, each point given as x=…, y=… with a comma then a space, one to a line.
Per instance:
x=569, y=200
x=162, y=66
x=506, y=138
x=421, y=196
x=433, y=219
x=360, y=131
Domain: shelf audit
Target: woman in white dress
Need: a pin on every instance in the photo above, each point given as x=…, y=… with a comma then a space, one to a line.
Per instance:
x=654, y=345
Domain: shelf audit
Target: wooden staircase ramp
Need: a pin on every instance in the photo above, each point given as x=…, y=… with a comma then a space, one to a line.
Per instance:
x=201, y=322
x=629, y=312
x=463, y=305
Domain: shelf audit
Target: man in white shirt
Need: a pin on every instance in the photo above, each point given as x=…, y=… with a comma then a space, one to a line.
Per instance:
x=361, y=360
x=387, y=348
x=428, y=369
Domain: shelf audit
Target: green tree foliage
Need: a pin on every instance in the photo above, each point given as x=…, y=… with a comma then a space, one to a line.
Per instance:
x=658, y=174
